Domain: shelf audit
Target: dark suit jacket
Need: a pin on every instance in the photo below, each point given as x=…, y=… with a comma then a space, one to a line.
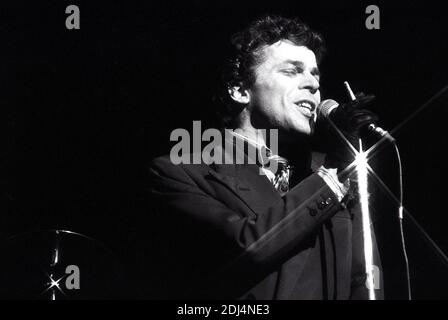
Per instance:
x=223, y=231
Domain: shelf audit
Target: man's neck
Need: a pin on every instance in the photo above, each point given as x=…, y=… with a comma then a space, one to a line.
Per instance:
x=254, y=136
x=285, y=145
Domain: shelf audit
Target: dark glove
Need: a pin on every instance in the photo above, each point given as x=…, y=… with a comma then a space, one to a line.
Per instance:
x=351, y=120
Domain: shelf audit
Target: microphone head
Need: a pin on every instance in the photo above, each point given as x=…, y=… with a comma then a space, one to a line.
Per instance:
x=326, y=107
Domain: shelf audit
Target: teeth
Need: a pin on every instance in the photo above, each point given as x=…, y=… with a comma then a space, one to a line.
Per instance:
x=304, y=104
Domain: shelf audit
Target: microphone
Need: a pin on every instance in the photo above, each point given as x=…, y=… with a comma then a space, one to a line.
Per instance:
x=328, y=108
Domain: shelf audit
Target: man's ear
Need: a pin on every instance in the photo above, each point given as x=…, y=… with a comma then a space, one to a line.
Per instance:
x=239, y=94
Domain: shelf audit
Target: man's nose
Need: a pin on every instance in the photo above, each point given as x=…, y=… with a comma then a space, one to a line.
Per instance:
x=310, y=83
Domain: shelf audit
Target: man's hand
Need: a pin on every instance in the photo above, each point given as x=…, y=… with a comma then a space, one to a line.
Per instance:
x=348, y=123
x=352, y=118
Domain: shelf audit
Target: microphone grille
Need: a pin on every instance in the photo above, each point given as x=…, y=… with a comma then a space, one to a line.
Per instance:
x=325, y=108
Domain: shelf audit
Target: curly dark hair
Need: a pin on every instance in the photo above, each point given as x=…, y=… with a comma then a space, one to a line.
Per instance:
x=245, y=56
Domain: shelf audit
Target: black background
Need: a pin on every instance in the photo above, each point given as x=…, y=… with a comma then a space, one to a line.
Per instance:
x=83, y=111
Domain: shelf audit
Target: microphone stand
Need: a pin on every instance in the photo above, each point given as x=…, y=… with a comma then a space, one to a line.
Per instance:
x=362, y=174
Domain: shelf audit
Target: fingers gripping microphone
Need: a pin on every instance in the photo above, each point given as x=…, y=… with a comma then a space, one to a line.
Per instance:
x=371, y=127
x=328, y=108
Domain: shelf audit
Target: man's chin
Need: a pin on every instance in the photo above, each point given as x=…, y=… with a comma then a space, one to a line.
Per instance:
x=304, y=130
x=294, y=135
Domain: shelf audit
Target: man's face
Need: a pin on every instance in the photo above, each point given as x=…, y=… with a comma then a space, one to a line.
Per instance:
x=286, y=90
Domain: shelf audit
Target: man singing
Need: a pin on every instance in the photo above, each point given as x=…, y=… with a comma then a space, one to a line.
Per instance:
x=245, y=231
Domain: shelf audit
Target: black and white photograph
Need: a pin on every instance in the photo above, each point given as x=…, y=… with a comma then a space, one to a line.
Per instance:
x=223, y=151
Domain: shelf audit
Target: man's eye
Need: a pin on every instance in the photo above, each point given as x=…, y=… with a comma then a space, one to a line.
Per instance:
x=290, y=71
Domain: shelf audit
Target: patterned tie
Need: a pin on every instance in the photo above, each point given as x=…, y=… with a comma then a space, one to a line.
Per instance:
x=281, y=179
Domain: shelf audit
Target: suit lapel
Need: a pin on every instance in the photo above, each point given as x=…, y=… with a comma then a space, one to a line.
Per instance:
x=248, y=183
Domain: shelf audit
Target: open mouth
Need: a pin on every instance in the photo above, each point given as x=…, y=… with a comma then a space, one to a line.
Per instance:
x=306, y=106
